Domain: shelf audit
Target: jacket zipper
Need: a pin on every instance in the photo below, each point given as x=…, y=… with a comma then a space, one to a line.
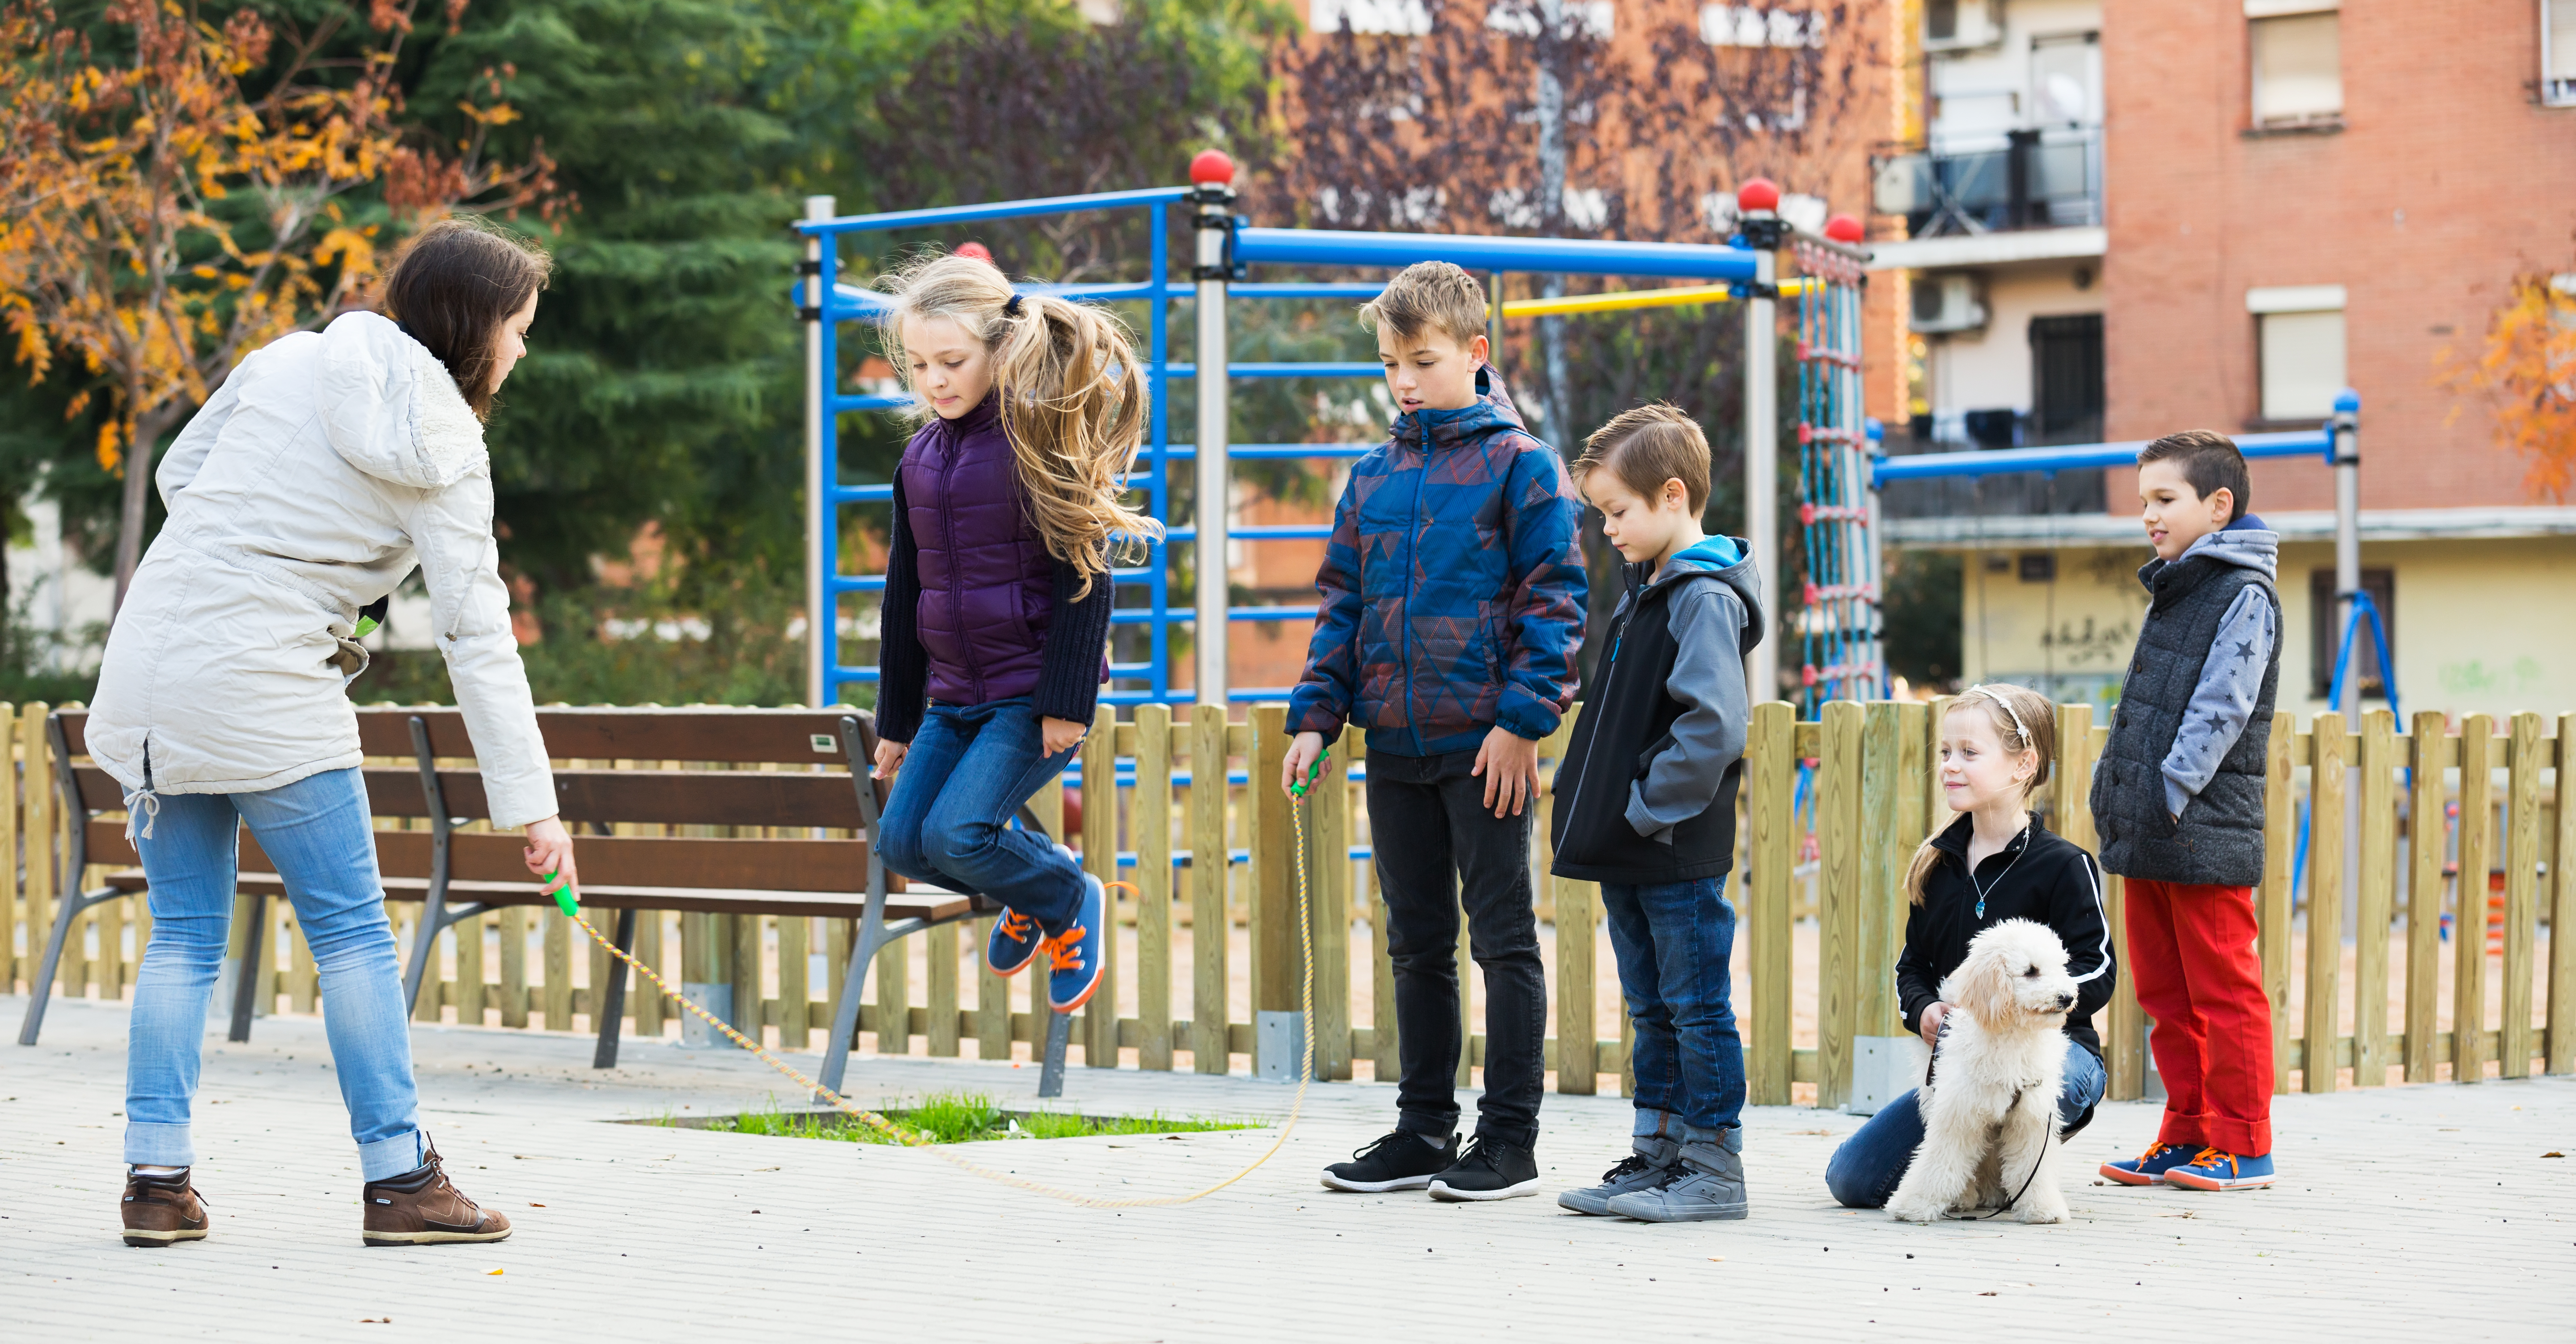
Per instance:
x=956, y=577
x=1404, y=609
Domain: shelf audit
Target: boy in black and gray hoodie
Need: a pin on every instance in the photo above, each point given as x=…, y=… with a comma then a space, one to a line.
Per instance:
x=1645, y=806
x=2178, y=797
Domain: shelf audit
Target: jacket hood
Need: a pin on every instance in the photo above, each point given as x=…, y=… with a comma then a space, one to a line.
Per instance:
x=390, y=408
x=2248, y=543
x=1492, y=413
x=1729, y=560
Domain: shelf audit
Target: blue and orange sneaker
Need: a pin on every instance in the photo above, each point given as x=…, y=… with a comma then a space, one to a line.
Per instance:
x=1077, y=954
x=1016, y=942
x=2215, y=1170
x=2150, y=1167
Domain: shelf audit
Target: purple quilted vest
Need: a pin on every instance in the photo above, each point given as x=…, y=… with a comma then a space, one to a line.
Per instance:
x=987, y=582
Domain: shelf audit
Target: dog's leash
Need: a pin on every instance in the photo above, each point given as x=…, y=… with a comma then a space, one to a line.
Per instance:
x=2036, y=1164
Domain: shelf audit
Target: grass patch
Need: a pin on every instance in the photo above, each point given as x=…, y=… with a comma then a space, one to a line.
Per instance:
x=949, y=1117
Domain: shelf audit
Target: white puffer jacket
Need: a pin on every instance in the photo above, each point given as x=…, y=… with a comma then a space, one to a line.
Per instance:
x=326, y=466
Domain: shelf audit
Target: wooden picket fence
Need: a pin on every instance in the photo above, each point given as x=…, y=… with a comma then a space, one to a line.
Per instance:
x=1830, y=812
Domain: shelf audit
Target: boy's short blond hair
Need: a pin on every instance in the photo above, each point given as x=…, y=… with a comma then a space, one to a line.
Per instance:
x=1438, y=295
x=1646, y=446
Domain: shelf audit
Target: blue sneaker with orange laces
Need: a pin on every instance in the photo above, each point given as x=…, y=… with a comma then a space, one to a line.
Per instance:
x=1077, y=954
x=1015, y=942
x=2215, y=1170
x=2150, y=1167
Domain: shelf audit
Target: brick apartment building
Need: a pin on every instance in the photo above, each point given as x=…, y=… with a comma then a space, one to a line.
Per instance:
x=2294, y=197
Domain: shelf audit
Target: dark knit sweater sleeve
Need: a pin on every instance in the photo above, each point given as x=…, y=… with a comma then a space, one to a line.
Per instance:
x=903, y=666
x=1069, y=669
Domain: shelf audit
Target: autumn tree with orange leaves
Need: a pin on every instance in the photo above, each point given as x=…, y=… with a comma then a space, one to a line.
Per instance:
x=176, y=193
x=2527, y=370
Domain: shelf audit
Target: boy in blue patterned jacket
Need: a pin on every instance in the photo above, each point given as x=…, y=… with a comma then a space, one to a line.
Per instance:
x=1453, y=604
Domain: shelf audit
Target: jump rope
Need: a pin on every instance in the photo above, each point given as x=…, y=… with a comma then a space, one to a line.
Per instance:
x=566, y=900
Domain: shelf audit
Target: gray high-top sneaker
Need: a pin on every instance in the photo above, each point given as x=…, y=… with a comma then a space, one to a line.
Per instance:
x=1639, y=1170
x=1707, y=1182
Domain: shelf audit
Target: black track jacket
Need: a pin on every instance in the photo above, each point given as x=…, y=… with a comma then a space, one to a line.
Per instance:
x=2040, y=877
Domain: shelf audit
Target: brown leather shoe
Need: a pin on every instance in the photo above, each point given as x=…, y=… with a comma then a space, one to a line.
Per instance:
x=421, y=1207
x=161, y=1209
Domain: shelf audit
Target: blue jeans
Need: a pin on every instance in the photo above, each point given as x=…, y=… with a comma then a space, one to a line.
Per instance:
x=949, y=822
x=1866, y=1169
x=1673, y=941
x=316, y=831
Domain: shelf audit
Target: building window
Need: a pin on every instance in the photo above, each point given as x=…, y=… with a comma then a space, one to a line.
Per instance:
x=2297, y=58
x=2066, y=378
x=2558, y=52
x=2325, y=633
x=1408, y=18
x=2299, y=343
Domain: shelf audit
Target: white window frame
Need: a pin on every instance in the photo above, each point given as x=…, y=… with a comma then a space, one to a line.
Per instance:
x=2258, y=11
x=2269, y=301
x=2556, y=89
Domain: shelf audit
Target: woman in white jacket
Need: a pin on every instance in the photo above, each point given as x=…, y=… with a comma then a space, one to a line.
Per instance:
x=325, y=468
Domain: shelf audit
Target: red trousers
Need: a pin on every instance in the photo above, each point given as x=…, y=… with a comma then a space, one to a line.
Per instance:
x=2192, y=956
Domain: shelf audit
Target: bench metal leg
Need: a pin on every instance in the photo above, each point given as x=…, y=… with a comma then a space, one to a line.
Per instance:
x=67, y=913
x=1059, y=1034
x=613, y=997
x=246, y=990
x=424, y=944
x=845, y=1022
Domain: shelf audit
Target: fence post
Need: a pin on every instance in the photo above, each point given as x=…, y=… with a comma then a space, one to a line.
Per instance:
x=2521, y=893
x=1328, y=868
x=2562, y=910
x=2272, y=914
x=1274, y=943
x=38, y=798
x=1878, y=917
x=1771, y=772
x=1838, y=788
x=1099, y=1031
x=2469, y=923
x=1211, y=926
x=943, y=1025
x=1578, y=1040
x=1149, y=827
x=2378, y=898
x=2323, y=1020
x=2430, y=752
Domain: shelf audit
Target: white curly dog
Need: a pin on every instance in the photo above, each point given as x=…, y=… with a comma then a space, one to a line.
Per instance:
x=1990, y=1110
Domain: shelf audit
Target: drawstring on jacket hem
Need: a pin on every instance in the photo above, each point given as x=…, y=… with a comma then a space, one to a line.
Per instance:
x=141, y=805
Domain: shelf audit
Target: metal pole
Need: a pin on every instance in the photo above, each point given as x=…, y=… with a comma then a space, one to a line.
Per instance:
x=1215, y=475
x=820, y=623
x=1762, y=446
x=2347, y=469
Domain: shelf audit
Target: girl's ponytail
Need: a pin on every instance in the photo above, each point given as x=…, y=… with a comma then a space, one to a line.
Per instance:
x=1073, y=401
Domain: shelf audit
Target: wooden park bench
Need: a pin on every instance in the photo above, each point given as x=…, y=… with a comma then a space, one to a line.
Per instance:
x=459, y=874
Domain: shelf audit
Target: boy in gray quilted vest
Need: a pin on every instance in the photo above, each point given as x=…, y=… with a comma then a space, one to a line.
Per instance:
x=2178, y=797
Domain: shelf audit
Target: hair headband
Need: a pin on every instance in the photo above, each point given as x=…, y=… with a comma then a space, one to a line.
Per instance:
x=2009, y=712
x=1012, y=309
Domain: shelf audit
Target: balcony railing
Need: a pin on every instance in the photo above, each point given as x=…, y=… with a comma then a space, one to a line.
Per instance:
x=2040, y=179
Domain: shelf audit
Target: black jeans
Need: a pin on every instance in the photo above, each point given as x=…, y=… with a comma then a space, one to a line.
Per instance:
x=1432, y=833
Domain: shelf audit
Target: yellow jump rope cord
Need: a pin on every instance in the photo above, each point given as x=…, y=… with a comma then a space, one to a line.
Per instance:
x=912, y=1139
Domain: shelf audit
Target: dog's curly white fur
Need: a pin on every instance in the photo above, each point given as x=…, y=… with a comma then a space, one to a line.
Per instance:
x=1990, y=1111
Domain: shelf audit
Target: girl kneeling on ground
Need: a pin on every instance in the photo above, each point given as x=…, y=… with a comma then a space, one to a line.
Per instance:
x=1007, y=516
x=326, y=466
x=1995, y=862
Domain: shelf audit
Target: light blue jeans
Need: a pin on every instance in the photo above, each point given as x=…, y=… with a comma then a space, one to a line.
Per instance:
x=316, y=831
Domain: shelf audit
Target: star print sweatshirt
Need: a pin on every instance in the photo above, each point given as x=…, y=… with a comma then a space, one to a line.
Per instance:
x=2231, y=681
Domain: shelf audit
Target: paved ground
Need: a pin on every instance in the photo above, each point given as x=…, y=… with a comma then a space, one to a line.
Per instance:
x=2406, y=1213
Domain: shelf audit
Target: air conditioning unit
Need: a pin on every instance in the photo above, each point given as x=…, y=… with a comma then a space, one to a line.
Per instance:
x=1961, y=25
x=1945, y=303
x=1902, y=185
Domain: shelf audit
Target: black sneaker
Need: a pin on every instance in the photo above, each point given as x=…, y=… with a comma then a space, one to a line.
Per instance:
x=1489, y=1169
x=1403, y=1160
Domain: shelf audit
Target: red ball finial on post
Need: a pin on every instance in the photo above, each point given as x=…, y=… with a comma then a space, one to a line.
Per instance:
x=1211, y=167
x=1760, y=193
x=1843, y=229
x=975, y=252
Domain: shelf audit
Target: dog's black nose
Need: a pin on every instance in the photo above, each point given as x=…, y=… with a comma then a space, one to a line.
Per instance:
x=2065, y=1001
